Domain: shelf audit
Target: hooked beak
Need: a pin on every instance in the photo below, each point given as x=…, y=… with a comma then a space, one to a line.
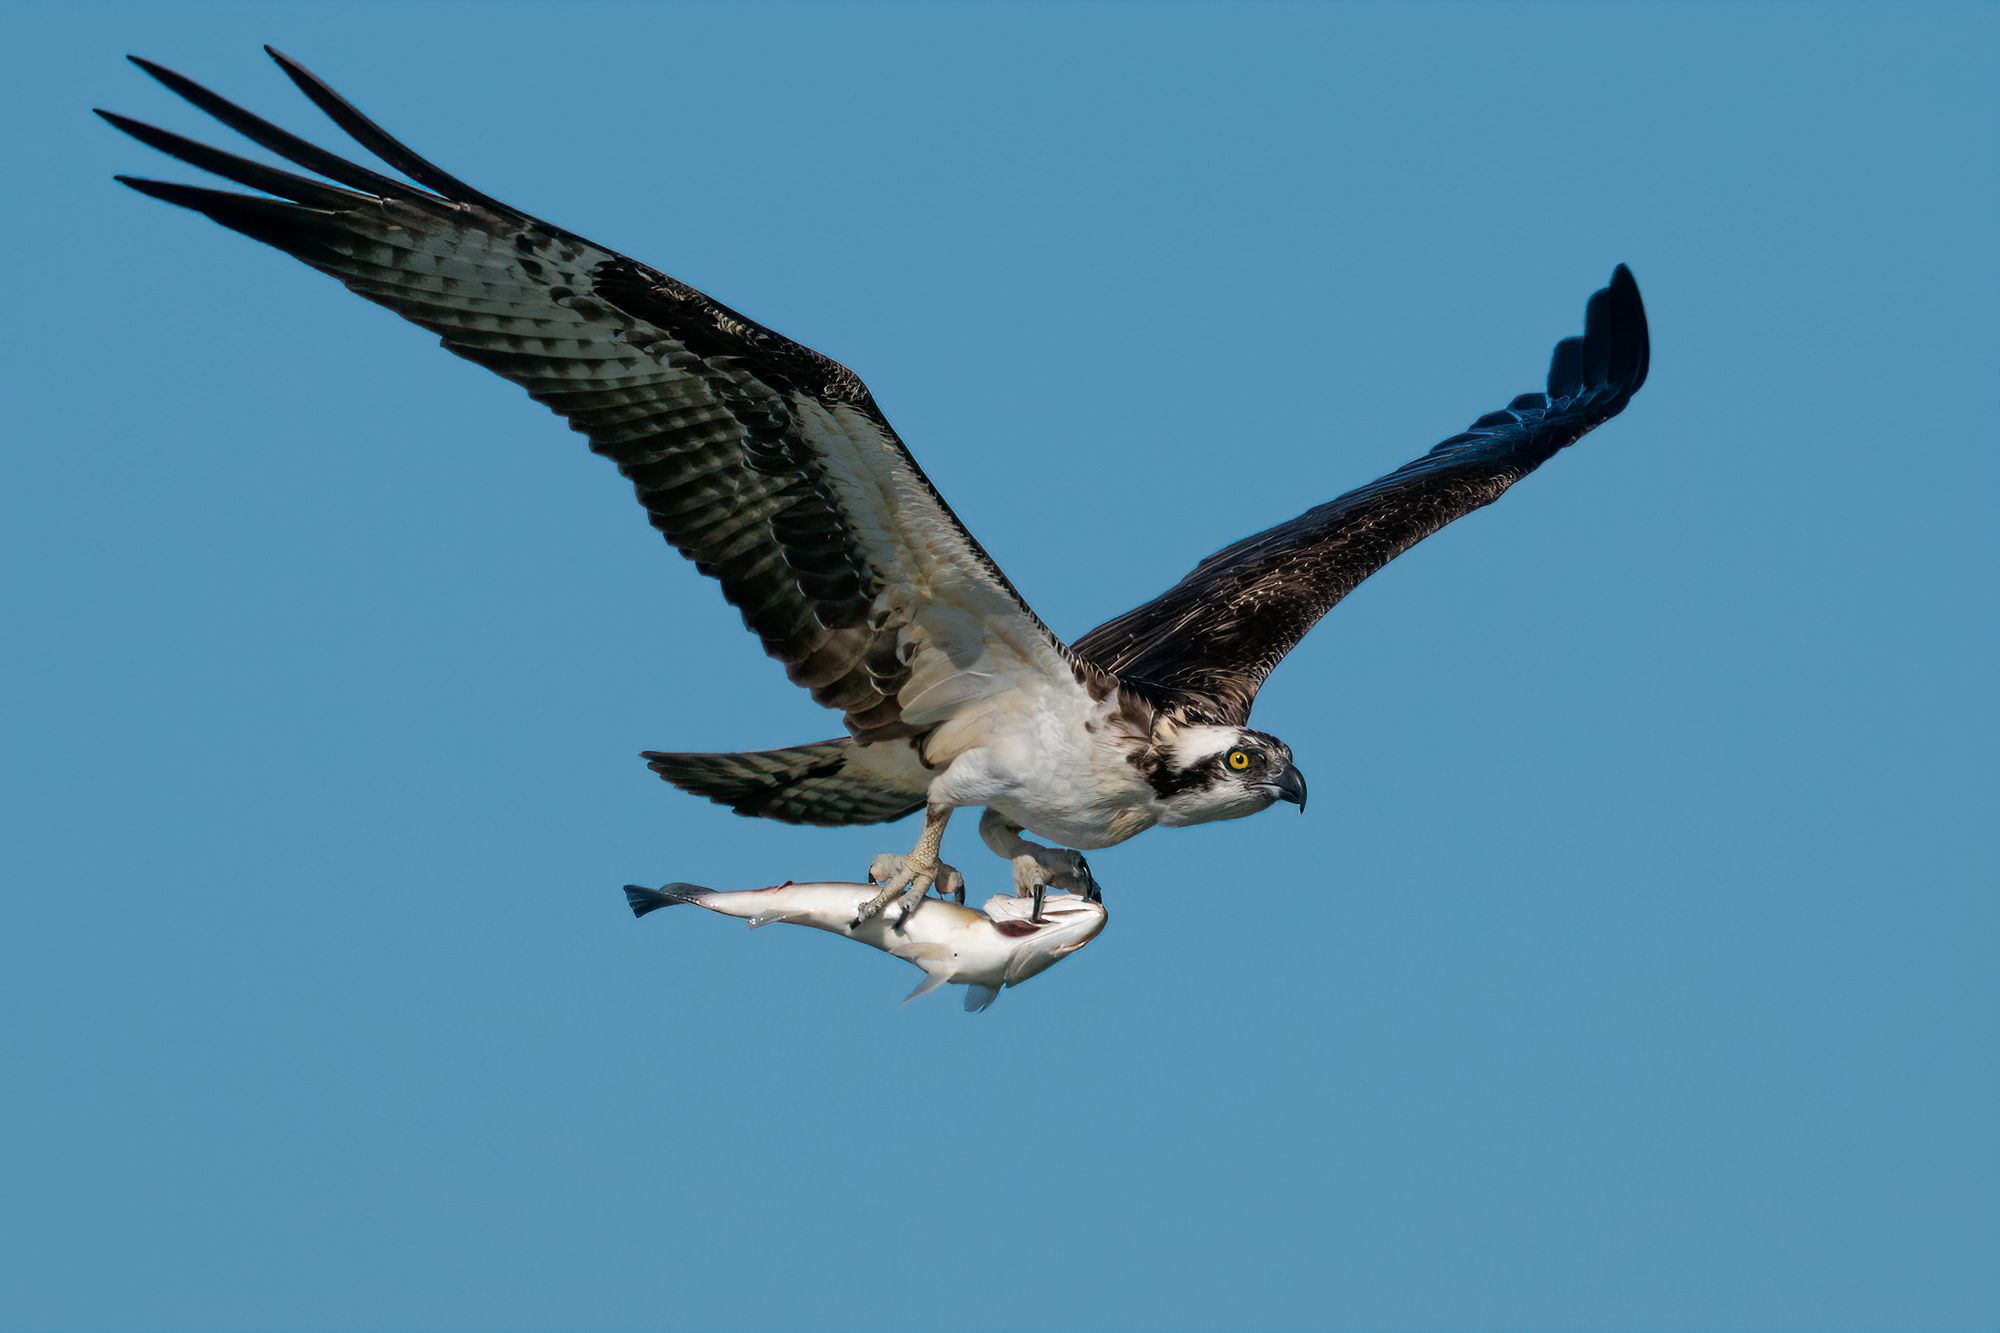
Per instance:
x=1291, y=786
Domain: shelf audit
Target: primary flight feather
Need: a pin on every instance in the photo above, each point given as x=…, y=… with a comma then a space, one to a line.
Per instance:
x=771, y=467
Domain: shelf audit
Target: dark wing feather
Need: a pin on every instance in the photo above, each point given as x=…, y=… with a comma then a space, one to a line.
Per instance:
x=1207, y=643
x=764, y=462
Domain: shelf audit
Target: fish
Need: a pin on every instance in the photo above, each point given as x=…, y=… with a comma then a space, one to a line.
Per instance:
x=1005, y=942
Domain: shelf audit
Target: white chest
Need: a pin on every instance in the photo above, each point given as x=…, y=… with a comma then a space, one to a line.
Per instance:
x=1061, y=775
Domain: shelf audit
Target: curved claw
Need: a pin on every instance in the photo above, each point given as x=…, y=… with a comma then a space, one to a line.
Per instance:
x=950, y=884
x=906, y=884
x=912, y=899
x=890, y=892
x=1092, y=893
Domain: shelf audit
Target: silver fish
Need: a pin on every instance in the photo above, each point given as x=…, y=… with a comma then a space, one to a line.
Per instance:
x=1002, y=944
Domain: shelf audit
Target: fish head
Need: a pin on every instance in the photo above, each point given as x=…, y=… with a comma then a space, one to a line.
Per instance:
x=1068, y=922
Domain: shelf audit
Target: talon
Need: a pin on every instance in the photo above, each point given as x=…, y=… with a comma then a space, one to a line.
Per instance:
x=874, y=906
x=950, y=884
x=909, y=876
x=1041, y=892
x=1091, y=892
x=912, y=899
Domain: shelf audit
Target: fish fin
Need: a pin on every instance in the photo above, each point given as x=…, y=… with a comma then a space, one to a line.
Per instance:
x=930, y=983
x=644, y=900
x=763, y=919
x=977, y=997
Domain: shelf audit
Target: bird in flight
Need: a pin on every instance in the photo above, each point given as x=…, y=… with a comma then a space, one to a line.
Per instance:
x=773, y=469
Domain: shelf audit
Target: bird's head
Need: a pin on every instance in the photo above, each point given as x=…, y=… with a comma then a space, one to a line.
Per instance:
x=1204, y=772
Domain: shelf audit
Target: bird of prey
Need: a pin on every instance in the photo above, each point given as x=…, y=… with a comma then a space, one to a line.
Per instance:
x=773, y=469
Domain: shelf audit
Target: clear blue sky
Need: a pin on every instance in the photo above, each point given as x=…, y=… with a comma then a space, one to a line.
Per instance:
x=1634, y=968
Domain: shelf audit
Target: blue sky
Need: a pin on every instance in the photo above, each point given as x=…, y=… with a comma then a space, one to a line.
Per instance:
x=1634, y=968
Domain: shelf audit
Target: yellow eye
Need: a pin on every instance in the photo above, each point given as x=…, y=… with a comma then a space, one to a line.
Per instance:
x=1239, y=760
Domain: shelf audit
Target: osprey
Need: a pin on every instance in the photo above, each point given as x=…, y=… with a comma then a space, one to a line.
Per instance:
x=771, y=467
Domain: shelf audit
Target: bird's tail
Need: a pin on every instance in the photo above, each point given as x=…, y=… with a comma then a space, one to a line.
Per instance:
x=803, y=784
x=644, y=900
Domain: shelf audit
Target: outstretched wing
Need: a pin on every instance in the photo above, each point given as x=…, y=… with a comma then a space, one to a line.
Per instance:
x=764, y=462
x=1208, y=642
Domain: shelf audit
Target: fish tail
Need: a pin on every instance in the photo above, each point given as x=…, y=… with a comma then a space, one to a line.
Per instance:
x=644, y=900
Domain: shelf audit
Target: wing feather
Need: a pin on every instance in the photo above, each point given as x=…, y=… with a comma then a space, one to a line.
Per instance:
x=764, y=462
x=1207, y=644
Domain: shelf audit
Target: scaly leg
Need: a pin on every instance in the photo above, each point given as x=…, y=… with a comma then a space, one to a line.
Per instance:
x=1036, y=866
x=949, y=883
x=914, y=874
